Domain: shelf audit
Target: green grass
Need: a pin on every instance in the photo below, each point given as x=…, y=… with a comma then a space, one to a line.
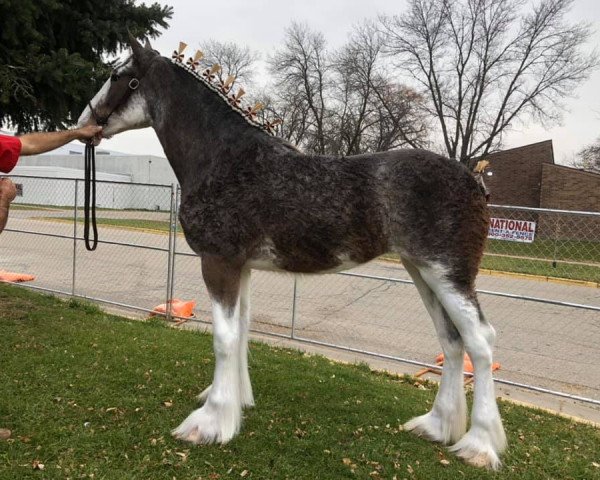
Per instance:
x=544, y=268
x=575, y=250
x=538, y=258
x=84, y=393
x=546, y=257
x=135, y=223
x=35, y=206
x=157, y=225
x=25, y=206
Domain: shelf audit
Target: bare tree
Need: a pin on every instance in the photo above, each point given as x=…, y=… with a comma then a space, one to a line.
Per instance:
x=484, y=64
x=373, y=112
x=341, y=102
x=234, y=60
x=292, y=111
x=589, y=158
x=301, y=68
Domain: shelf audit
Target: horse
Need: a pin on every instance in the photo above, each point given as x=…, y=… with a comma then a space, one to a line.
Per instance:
x=250, y=200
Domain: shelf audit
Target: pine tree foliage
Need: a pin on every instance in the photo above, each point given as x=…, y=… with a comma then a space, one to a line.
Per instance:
x=53, y=54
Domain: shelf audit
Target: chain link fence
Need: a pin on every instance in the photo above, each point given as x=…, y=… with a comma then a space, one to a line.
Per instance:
x=539, y=283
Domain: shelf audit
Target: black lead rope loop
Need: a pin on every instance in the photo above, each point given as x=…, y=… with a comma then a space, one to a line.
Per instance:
x=90, y=191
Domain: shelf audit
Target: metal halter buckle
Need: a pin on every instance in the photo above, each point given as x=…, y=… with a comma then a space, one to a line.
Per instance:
x=134, y=83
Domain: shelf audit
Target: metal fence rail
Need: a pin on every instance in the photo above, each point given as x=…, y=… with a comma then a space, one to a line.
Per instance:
x=544, y=305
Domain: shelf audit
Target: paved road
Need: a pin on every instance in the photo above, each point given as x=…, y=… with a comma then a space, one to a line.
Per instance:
x=545, y=345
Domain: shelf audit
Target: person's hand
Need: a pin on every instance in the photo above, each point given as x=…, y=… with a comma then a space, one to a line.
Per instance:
x=89, y=131
x=8, y=191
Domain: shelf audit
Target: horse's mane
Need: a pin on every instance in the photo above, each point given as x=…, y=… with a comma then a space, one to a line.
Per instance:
x=223, y=89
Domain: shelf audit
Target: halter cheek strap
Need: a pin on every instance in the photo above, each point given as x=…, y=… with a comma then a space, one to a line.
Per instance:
x=133, y=85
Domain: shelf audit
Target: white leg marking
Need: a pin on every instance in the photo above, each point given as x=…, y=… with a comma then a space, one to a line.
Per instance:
x=220, y=417
x=247, y=396
x=447, y=420
x=486, y=439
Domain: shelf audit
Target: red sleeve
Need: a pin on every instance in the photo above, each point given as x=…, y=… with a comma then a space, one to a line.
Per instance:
x=10, y=149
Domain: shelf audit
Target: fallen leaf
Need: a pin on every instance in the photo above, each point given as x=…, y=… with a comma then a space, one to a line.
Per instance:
x=168, y=404
x=37, y=465
x=182, y=455
x=444, y=462
x=5, y=433
x=244, y=473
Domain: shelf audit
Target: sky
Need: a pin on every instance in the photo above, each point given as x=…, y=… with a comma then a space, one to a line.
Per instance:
x=260, y=24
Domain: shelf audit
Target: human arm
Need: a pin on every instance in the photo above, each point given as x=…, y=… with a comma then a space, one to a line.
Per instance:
x=8, y=192
x=35, y=143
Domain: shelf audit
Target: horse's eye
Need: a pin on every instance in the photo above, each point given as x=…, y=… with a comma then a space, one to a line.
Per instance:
x=114, y=77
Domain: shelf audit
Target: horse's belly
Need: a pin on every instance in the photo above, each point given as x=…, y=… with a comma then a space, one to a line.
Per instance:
x=274, y=266
x=269, y=258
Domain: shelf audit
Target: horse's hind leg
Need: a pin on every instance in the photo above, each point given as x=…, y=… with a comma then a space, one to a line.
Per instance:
x=447, y=420
x=220, y=417
x=485, y=440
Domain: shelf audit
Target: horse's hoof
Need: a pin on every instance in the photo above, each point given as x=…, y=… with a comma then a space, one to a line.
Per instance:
x=477, y=449
x=210, y=424
x=435, y=428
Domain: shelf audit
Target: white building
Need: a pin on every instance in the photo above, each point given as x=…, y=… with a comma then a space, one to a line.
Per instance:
x=37, y=174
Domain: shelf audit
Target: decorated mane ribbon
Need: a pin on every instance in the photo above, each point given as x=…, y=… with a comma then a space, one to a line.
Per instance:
x=222, y=88
x=90, y=197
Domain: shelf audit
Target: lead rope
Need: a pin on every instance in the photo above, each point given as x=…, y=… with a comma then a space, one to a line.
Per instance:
x=90, y=188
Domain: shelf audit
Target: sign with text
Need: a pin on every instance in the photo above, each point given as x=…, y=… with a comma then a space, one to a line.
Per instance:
x=513, y=230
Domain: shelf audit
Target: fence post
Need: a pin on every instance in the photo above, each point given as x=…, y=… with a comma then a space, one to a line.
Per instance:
x=75, y=218
x=174, y=229
x=170, y=255
x=556, y=236
x=293, y=336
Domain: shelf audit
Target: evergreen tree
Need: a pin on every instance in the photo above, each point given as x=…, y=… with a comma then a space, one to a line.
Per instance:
x=53, y=54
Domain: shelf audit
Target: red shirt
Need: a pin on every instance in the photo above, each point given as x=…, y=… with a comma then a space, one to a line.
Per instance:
x=10, y=149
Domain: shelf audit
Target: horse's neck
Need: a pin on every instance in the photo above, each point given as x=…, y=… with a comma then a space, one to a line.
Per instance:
x=194, y=136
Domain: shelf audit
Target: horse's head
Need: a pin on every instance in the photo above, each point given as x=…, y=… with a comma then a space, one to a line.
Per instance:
x=120, y=104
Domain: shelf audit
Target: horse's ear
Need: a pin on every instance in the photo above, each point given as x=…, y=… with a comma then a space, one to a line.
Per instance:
x=136, y=47
x=147, y=45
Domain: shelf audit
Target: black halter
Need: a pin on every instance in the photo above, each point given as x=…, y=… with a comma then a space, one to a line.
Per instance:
x=132, y=85
x=89, y=209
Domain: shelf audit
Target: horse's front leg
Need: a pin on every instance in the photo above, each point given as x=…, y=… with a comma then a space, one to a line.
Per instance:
x=219, y=419
x=245, y=385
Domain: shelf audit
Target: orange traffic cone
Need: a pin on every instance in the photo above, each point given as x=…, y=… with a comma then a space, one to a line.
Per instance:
x=179, y=308
x=15, y=277
x=467, y=367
